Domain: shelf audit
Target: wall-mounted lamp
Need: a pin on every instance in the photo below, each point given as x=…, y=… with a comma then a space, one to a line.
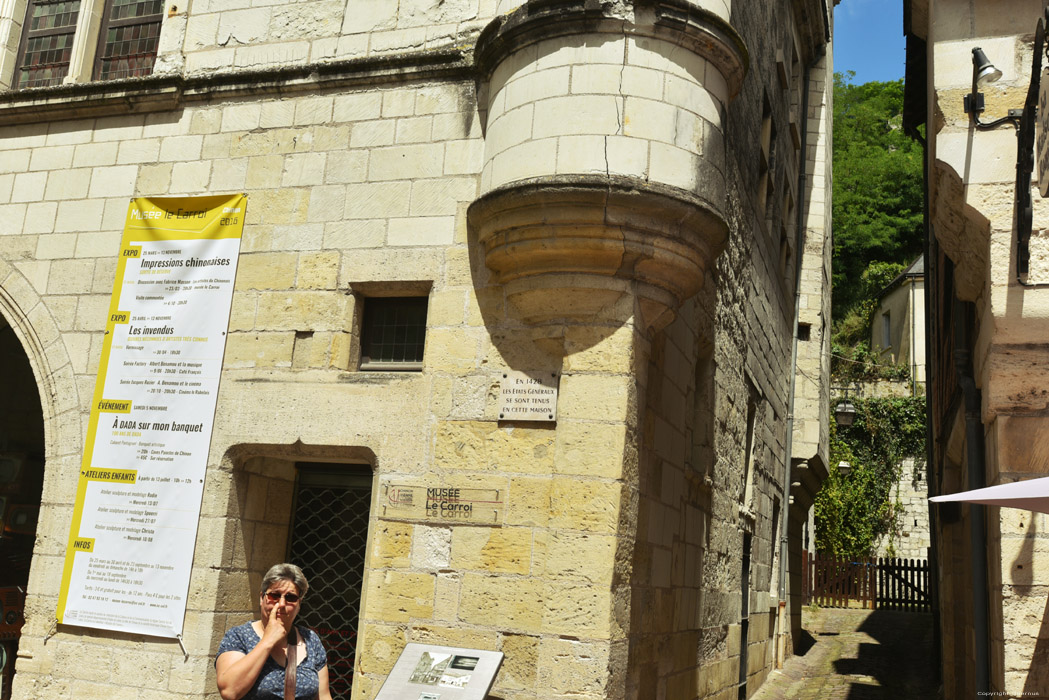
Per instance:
x=844, y=413
x=844, y=468
x=985, y=70
x=984, y=73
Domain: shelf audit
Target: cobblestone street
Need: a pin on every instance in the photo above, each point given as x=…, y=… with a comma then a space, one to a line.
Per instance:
x=858, y=655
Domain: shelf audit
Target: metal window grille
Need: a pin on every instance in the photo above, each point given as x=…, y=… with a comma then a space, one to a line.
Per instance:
x=393, y=333
x=329, y=538
x=128, y=40
x=47, y=43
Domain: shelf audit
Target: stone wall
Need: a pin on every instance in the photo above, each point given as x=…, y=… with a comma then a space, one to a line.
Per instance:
x=972, y=195
x=911, y=496
x=613, y=567
x=713, y=455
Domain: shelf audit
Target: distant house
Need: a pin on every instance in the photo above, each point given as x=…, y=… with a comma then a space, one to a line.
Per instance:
x=898, y=325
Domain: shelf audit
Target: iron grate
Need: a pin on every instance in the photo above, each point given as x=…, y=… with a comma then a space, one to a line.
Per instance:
x=393, y=331
x=328, y=540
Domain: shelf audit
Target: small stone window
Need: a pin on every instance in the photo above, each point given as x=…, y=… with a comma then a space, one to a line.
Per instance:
x=393, y=333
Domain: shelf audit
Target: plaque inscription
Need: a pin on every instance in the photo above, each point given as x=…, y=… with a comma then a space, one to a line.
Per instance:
x=441, y=502
x=528, y=396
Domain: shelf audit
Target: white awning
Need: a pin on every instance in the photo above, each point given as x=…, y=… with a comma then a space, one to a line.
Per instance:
x=1032, y=494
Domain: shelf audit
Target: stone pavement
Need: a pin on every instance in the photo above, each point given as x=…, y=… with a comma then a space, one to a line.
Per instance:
x=858, y=655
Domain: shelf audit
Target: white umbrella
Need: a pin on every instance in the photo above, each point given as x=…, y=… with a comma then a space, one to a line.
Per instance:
x=1032, y=494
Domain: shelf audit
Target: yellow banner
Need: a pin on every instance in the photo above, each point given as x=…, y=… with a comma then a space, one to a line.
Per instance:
x=142, y=473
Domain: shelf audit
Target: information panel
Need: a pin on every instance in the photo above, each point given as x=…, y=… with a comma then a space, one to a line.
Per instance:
x=431, y=672
x=138, y=498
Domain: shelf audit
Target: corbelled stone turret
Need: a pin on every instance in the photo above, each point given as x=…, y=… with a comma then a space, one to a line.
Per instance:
x=604, y=155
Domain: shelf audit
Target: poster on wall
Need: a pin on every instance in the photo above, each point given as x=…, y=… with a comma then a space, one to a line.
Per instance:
x=141, y=480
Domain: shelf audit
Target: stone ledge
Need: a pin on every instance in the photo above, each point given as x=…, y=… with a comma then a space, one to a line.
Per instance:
x=159, y=93
x=675, y=21
x=574, y=247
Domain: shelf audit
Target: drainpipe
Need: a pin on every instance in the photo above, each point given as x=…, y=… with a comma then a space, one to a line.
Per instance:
x=976, y=473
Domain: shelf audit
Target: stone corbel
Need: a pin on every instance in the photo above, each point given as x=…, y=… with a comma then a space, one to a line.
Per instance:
x=572, y=249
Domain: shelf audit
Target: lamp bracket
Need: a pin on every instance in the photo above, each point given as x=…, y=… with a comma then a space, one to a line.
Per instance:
x=974, y=103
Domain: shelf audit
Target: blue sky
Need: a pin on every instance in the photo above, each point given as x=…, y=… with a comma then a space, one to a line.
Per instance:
x=868, y=39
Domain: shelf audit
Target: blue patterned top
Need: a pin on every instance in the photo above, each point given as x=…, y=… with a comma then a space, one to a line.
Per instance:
x=270, y=683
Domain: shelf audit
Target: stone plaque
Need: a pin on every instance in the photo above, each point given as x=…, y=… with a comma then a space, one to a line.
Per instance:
x=430, y=672
x=528, y=396
x=442, y=502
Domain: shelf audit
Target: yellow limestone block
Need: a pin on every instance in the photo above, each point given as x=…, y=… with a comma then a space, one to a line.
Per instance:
x=498, y=550
x=395, y=596
x=379, y=647
x=391, y=545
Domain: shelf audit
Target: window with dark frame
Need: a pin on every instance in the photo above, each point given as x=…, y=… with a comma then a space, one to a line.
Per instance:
x=393, y=333
x=47, y=43
x=127, y=43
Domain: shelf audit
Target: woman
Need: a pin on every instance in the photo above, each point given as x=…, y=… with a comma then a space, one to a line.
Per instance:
x=252, y=657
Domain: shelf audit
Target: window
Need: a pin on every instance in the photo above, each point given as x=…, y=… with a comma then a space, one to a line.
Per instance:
x=329, y=540
x=127, y=41
x=127, y=44
x=393, y=333
x=886, y=330
x=47, y=43
x=748, y=456
x=703, y=418
x=765, y=164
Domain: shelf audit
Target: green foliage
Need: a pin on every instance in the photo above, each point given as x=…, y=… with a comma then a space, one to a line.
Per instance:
x=854, y=327
x=854, y=511
x=857, y=363
x=877, y=199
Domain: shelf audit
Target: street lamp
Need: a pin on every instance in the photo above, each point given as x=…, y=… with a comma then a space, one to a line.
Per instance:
x=984, y=73
x=844, y=413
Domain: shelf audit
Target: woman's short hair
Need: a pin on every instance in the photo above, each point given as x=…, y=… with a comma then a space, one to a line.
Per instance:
x=285, y=572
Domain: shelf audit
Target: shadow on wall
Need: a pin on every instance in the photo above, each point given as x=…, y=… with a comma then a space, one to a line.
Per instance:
x=1022, y=576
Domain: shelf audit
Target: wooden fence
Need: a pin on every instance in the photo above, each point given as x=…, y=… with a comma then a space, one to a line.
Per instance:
x=890, y=583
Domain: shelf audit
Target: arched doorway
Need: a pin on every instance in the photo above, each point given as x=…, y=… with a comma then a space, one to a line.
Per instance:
x=21, y=482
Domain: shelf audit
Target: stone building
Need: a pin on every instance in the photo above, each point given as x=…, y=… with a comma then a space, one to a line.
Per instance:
x=987, y=280
x=625, y=197
x=898, y=325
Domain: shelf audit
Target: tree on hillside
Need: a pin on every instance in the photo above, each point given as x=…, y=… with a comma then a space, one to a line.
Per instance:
x=877, y=206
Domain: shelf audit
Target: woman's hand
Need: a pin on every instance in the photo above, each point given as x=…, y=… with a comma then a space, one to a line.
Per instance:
x=277, y=628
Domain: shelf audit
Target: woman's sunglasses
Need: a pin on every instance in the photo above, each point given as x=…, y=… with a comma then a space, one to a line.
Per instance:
x=275, y=597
